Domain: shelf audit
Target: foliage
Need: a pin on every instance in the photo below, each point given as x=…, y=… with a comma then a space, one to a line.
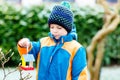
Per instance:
x=16, y=23
x=113, y=48
x=88, y=21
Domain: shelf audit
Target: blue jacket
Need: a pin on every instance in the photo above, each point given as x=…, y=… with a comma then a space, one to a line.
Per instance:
x=65, y=60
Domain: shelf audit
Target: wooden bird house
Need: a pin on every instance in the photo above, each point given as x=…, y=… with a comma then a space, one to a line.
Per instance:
x=27, y=58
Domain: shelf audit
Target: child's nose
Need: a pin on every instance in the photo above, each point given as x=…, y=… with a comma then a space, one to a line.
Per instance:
x=55, y=30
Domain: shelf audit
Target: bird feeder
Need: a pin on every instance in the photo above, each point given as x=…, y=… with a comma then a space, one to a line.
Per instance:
x=27, y=58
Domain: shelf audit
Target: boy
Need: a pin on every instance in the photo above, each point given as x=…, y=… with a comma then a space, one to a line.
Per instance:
x=59, y=56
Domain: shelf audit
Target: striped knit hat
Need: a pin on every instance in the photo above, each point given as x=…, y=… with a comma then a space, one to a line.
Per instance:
x=62, y=15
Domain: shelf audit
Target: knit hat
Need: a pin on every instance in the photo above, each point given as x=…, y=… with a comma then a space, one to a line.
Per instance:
x=62, y=15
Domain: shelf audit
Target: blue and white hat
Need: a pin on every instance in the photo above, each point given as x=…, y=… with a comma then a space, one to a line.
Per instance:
x=62, y=15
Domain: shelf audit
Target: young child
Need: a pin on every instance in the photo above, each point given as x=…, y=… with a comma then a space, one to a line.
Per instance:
x=59, y=56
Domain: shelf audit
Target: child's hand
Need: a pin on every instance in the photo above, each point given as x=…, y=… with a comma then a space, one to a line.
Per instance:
x=24, y=43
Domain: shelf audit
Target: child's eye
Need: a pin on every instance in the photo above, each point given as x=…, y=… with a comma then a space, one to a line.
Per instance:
x=59, y=28
x=51, y=27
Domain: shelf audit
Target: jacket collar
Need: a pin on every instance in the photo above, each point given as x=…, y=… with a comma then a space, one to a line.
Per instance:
x=62, y=39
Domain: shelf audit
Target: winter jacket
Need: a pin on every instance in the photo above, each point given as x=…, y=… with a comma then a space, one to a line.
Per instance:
x=63, y=59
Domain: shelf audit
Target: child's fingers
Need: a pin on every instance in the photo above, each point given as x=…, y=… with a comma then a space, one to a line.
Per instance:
x=24, y=42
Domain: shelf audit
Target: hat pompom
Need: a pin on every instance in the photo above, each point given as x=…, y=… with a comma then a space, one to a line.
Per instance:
x=66, y=4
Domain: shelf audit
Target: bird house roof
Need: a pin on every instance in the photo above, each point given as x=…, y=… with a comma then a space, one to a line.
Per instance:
x=29, y=57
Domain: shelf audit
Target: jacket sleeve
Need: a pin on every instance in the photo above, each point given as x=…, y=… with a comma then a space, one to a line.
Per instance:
x=33, y=49
x=79, y=65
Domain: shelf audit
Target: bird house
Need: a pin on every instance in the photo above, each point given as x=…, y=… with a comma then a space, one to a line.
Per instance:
x=27, y=58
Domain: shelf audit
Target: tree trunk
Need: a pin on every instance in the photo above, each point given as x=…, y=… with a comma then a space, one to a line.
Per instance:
x=111, y=21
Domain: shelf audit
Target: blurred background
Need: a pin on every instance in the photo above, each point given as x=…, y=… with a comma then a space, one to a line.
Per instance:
x=28, y=18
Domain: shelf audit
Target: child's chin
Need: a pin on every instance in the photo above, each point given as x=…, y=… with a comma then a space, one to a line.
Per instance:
x=57, y=37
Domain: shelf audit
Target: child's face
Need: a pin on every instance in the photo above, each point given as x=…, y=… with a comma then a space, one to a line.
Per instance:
x=57, y=31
